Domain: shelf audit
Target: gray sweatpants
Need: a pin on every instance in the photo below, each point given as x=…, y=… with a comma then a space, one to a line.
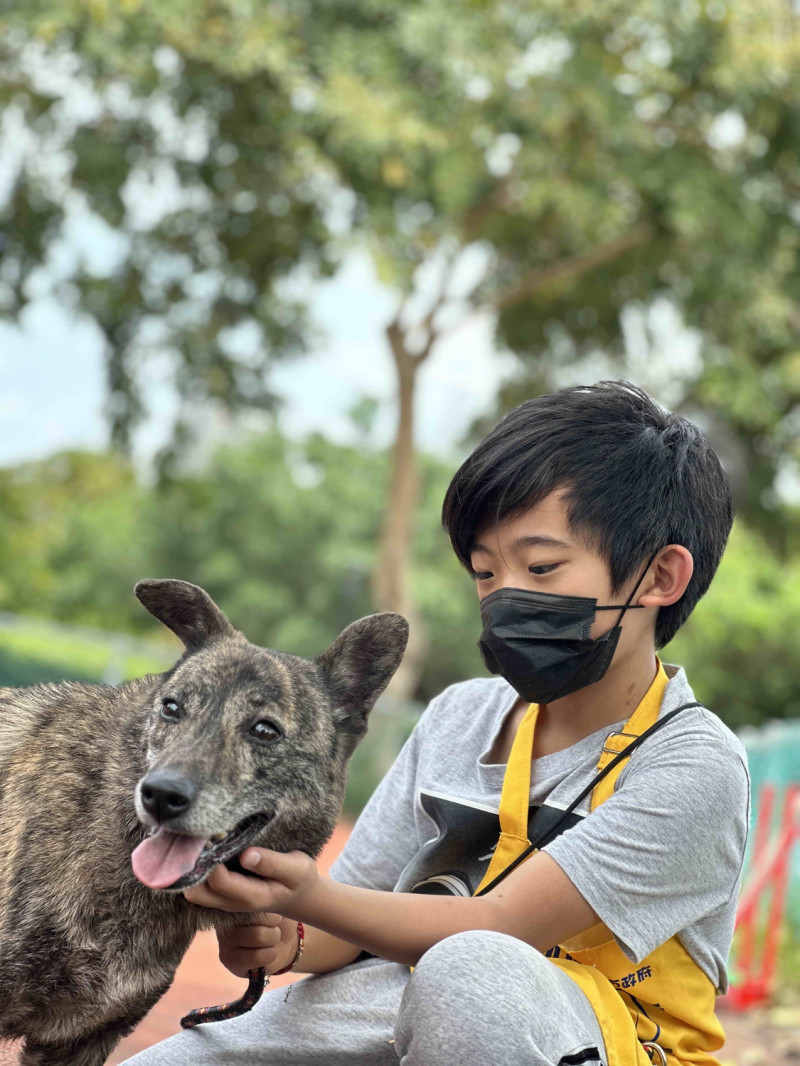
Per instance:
x=476, y=999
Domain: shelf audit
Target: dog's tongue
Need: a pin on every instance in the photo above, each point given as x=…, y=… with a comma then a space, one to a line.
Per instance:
x=161, y=859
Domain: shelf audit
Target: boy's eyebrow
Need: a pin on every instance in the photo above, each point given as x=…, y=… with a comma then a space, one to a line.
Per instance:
x=528, y=540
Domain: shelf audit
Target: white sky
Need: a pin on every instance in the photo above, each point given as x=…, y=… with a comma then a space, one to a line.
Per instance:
x=52, y=376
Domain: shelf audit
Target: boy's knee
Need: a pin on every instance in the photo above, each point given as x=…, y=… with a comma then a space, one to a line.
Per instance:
x=474, y=950
x=465, y=993
x=460, y=975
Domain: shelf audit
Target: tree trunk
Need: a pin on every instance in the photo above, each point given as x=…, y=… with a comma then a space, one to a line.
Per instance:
x=391, y=578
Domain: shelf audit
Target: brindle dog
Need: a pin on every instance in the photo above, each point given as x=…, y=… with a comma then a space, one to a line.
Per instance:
x=114, y=799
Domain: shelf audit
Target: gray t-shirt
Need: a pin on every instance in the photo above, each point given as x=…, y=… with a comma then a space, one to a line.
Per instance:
x=663, y=854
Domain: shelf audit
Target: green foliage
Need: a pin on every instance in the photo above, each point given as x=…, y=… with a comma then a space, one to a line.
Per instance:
x=76, y=540
x=374, y=755
x=739, y=645
x=283, y=534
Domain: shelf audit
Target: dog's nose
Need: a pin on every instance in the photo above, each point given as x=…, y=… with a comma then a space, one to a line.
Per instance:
x=166, y=794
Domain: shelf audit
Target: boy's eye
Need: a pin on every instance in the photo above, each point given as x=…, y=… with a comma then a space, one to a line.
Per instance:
x=540, y=571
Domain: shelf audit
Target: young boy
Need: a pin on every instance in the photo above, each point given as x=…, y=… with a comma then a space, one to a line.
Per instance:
x=592, y=522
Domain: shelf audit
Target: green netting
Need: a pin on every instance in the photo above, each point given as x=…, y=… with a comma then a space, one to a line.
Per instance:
x=773, y=752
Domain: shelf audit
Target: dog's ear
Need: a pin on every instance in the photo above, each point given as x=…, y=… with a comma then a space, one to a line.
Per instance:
x=359, y=664
x=186, y=609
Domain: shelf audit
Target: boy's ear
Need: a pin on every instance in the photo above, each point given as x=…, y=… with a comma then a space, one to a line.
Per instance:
x=186, y=609
x=359, y=664
x=673, y=571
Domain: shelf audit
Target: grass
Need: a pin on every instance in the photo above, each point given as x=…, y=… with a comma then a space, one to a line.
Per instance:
x=31, y=651
x=787, y=976
x=789, y=967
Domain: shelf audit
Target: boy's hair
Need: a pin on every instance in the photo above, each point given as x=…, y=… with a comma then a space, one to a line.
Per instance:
x=636, y=478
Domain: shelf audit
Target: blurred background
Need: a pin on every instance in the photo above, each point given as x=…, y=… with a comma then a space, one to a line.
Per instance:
x=268, y=272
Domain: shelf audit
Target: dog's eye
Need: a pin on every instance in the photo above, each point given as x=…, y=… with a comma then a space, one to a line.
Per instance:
x=266, y=731
x=170, y=711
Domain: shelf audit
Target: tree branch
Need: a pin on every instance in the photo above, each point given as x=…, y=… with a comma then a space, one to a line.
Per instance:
x=496, y=200
x=567, y=269
x=397, y=335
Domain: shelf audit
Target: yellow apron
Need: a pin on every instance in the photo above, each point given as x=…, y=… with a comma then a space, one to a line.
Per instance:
x=665, y=999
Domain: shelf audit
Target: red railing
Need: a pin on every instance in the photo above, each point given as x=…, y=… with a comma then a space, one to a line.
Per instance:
x=762, y=904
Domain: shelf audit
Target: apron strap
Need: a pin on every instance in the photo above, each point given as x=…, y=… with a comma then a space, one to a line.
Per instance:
x=516, y=795
x=616, y=760
x=641, y=719
x=515, y=799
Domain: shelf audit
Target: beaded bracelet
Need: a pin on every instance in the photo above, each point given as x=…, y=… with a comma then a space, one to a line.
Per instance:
x=300, y=943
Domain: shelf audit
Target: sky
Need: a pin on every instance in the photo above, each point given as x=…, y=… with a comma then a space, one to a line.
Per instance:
x=52, y=386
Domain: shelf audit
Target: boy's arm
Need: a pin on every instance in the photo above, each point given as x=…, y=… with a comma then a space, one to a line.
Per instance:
x=537, y=903
x=323, y=952
x=664, y=851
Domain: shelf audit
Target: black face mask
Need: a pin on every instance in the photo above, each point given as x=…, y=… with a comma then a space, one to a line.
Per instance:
x=540, y=642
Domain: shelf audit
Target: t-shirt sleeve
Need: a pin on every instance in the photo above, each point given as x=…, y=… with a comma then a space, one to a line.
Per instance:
x=666, y=849
x=384, y=837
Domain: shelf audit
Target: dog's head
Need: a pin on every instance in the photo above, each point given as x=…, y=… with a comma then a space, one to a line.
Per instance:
x=246, y=745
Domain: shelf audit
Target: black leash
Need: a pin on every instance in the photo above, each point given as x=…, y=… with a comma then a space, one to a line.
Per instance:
x=257, y=981
x=565, y=814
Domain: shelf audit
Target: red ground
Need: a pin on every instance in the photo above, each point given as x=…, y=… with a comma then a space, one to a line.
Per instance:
x=201, y=980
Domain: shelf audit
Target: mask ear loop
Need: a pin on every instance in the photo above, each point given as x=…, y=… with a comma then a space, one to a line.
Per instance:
x=633, y=593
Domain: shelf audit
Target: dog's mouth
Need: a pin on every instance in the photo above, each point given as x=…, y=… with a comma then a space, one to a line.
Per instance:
x=173, y=860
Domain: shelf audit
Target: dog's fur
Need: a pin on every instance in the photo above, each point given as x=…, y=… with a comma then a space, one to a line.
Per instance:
x=85, y=948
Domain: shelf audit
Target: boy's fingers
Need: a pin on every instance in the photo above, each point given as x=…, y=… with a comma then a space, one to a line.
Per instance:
x=257, y=936
x=269, y=919
x=221, y=879
x=230, y=892
x=204, y=897
x=287, y=867
x=251, y=931
x=242, y=962
x=265, y=918
x=237, y=893
x=265, y=859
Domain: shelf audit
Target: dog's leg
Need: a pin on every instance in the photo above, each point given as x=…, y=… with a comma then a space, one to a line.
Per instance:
x=90, y=1050
x=93, y=1048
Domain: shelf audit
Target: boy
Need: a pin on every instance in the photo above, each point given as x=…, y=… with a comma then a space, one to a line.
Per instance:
x=592, y=523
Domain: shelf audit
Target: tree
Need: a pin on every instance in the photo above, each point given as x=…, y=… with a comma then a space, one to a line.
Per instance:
x=586, y=156
x=201, y=185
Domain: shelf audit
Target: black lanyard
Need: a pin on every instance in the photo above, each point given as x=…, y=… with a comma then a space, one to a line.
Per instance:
x=550, y=832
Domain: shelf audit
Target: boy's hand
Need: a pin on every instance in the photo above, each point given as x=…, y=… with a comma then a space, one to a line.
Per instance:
x=282, y=882
x=271, y=942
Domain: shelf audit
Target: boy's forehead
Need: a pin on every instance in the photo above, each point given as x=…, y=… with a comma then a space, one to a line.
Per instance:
x=544, y=524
